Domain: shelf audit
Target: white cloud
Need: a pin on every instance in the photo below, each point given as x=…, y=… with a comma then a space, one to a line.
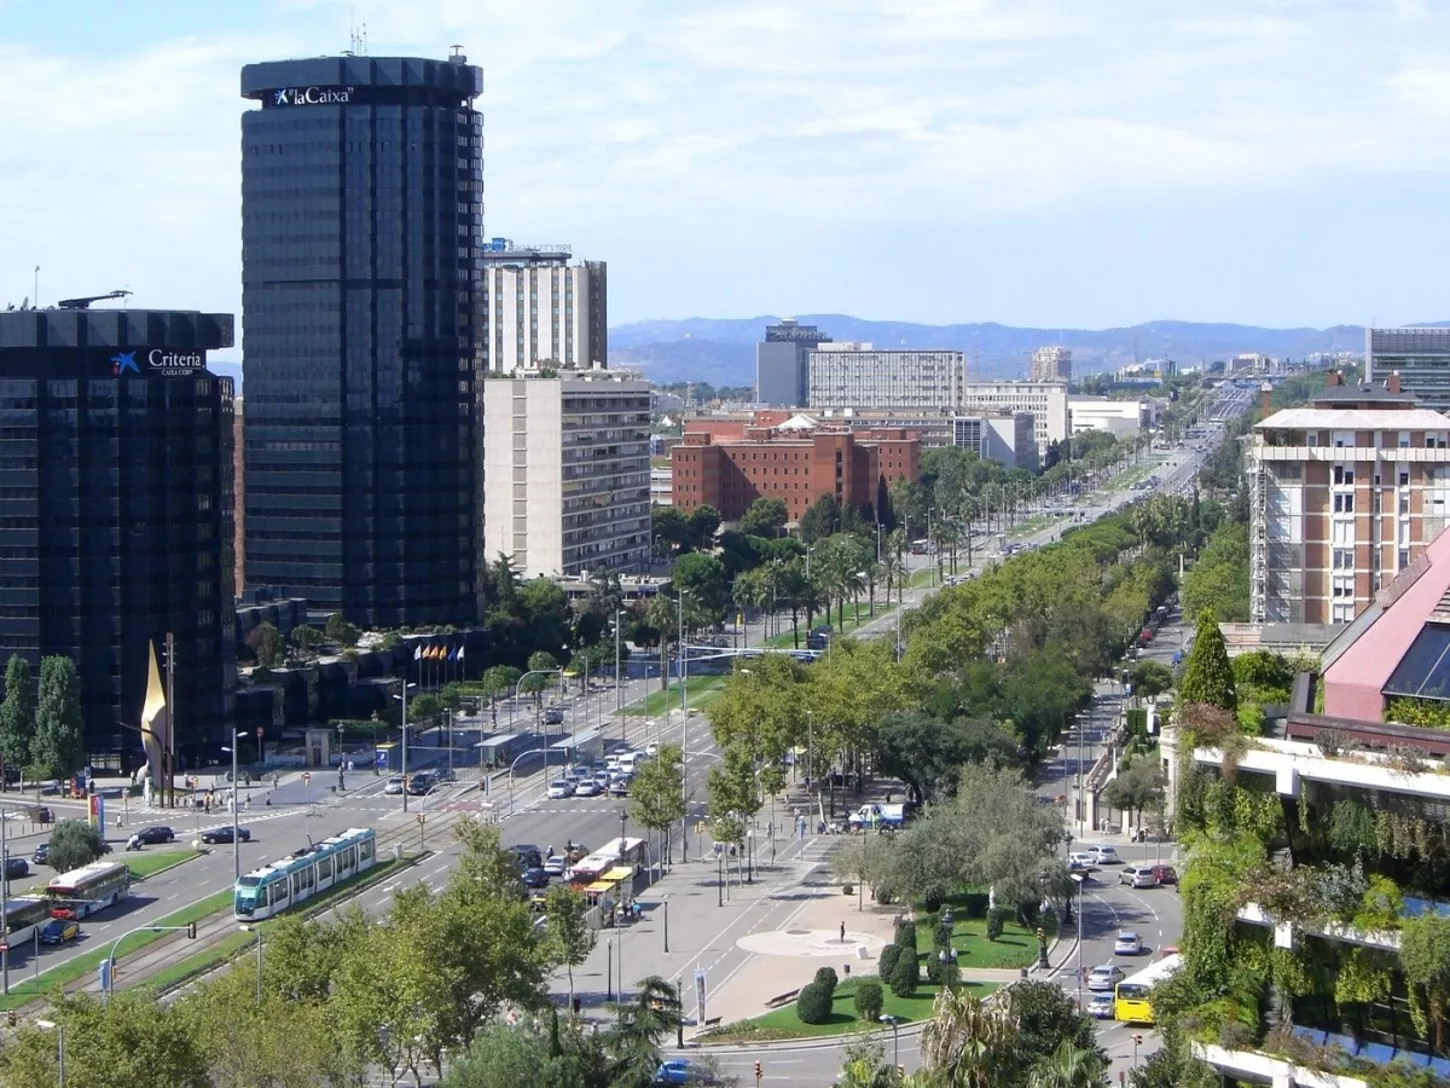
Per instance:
x=647, y=124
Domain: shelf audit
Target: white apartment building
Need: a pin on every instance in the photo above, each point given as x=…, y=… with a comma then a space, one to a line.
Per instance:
x=1119, y=418
x=1052, y=364
x=1006, y=438
x=1047, y=401
x=566, y=472
x=856, y=375
x=544, y=311
x=1343, y=496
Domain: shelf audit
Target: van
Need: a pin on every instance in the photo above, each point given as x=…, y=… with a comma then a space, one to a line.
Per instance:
x=628, y=762
x=1138, y=876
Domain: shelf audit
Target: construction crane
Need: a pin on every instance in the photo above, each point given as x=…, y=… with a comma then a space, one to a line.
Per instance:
x=85, y=303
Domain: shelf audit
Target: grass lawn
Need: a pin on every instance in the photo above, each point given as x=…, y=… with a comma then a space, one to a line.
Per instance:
x=1016, y=947
x=699, y=691
x=145, y=864
x=783, y=1023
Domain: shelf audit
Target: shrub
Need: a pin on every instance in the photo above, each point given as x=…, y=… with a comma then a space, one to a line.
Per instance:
x=942, y=935
x=933, y=968
x=813, y=1004
x=994, y=923
x=889, y=955
x=974, y=904
x=848, y=889
x=906, y=936
x=826, y=977
x=869, y=999
x=932, y=901
x=905, y=974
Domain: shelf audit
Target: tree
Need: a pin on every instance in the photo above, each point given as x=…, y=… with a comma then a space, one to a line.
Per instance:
x=640, y=1025
x=670, y=527
x=266, y=643
x=1150, y=678
x=569, y=938
x=765, y=517
x=821, y=520
x=969, y=1043
x=1070, y=1066
x=1219, y=579
x=498, y=682
x=527, y=1057
x=340, y=631
x=926, y=753
x=58, y=747
x=1138, y=789
x=702, y=579
x=424, y=709
x=74, y=843
x=541, y=673
x=305, y=636
x=734, y=795
x=1047, y=1018
x=703, y=523
x=17, y=713
x=657, y=795
x=1207, y=675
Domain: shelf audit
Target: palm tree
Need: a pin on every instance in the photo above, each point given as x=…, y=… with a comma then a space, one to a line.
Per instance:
x=877, y=572
x=640, y=1024
x=1069, y=1067
x=752, y=590
x=970, y=1044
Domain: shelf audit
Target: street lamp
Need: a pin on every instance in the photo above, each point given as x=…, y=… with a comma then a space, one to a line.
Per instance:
x=894, y=1021
x=618, y=684
x=51, y=1025
x=236, y=838
x=258, y=931
x=1080, y=878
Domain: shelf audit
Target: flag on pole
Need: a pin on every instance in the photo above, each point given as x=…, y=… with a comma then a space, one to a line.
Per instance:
x=418, y=653
x=460, y=653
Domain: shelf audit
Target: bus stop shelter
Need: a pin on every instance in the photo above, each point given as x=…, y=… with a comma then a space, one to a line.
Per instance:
x=498, y=751
x=585, y=746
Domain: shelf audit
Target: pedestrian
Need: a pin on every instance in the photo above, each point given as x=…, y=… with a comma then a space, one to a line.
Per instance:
x=843, y=932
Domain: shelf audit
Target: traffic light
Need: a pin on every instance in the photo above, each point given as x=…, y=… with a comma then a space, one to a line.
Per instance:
x=191, y=930
x=758, y=1072
x=11, y=1018
x=901, y=1071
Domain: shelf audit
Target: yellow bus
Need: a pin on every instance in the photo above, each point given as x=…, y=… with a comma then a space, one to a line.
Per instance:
x=1130, y=999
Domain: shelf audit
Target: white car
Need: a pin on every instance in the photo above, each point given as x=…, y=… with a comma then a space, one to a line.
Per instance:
x=1106, y=855
x=1100, y=1006
x=1104, y=976
x=394, y=785
x=1083, y=860
x=651, y=750
x=587, y=787
x=1139, y=876
x=559, y=789
x=1127, y=944
x=555, y=865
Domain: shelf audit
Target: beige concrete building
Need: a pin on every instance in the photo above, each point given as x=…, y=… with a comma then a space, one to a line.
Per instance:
x=542, y=309
x=1052, y=364
x=1047, y=401
x=1344, y=495
x=566, y=472
x=1121, y=418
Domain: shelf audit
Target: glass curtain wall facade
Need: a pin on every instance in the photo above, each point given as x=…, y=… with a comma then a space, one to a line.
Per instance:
x=116, y=514
x=362, y=209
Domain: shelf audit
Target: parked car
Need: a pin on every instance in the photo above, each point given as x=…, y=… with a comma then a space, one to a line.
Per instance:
x=153, y=836
x=1165, y=874
x=1106, y=855
x=553, y=716
x=536, y=877
x=1139, y=876
x=1128, y=943
x=394, y=785
x=224, y=835
x=1100, y=1006
x=16, y=868
x=60, y=930
x=1104, y=976
x=559, y=789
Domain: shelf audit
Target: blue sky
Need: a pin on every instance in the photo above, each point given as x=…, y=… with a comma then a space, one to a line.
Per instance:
x=1062, y=163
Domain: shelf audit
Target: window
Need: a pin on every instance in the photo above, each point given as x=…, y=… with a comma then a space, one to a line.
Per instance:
x=1344, y=504
x=1341, y=613
x=1343, y=558
x=1342, y=532
x=1344, y=475
x=1342, y=586
x=1404, y=558
x=1404, y=477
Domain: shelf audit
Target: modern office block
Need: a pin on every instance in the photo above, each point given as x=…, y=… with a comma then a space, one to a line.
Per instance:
x=362, y=209
x=1047, y=401
x=567, y=464
x=782, y=363
x=848, y=375
x=1421, y=357
x=116, y=514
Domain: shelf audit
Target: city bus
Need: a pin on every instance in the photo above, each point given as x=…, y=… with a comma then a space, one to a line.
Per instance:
x=306, y=872
x=23, y=918
x=90, y=888
x=1131, y=1002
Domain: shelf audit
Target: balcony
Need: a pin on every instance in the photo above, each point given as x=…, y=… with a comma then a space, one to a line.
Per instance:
x=1290, y=762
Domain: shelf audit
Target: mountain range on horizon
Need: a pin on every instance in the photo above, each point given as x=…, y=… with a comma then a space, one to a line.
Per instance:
x=721, y=351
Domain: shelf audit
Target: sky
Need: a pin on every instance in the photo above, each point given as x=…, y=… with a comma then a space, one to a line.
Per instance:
x=1052, y=163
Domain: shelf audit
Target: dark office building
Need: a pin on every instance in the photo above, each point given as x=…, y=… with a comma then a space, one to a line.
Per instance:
x=782, y=364
x=362, y=211
x=116, y=513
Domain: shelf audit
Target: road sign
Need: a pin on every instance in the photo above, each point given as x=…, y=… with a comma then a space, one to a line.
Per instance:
x=306, y=776
x=4, y=947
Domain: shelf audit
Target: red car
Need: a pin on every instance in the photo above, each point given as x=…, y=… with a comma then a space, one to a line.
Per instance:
x=1164, y=874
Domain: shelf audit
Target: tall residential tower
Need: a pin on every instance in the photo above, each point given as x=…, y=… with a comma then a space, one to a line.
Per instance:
x=362, y=213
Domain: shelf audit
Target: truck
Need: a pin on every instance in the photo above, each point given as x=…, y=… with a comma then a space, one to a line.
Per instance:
x=878, y=816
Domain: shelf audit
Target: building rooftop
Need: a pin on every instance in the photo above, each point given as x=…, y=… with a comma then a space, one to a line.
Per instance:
x=1360, y=394
x=1351, y=419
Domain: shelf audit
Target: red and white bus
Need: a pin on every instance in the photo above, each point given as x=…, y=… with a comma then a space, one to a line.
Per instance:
x=90, y=888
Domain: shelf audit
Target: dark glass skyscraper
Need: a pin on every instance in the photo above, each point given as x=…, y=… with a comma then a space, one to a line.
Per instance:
x=116, y=512
x=362, y=212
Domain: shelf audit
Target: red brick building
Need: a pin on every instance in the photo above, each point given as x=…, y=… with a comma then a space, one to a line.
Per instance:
x=731, y=465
